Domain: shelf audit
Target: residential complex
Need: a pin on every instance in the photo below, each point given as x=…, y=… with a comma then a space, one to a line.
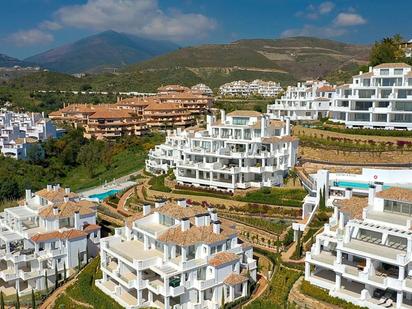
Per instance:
x=241, y=150
x=51, y=230
x=202, y=89
x=174, y=106
x=364, y=253
x=257, y=87
x=176, y=256
x=310, y=100
x=380, y=98
x=20, y=131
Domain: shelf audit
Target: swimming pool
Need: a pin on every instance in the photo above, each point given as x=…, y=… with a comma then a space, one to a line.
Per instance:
x=103, y=195
x=354, y=185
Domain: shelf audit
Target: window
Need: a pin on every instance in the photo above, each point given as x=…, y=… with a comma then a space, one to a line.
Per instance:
x=398, y=71
x=240, y=121
x=384, y=71
x=397, y=207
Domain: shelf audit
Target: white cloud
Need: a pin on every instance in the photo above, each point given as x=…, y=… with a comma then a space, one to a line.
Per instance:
x=315, y=11
x=314, y=31
x=30, y=37
x=140, y=17
x=349, y=19
x=49, y=25
x=326, y=7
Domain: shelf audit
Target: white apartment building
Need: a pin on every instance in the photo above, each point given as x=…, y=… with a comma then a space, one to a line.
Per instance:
x=241, y=150
x=257, y=87
x=176, y=256
x=50, y=229
x=202, y=89
x=310, y=100
x=364, y=255
x=380, y=98
x=19, y=131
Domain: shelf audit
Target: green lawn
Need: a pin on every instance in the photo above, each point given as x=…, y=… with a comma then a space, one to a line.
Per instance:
x=124, y=163
x=86, y=292
x=276, y=196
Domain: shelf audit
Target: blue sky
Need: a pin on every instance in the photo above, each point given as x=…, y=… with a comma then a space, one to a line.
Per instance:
x=31, y=26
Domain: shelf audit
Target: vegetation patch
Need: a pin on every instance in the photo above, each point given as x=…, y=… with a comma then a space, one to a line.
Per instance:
x=271, y=226
x=276, y=196
x=157, y=183
x=322, y=295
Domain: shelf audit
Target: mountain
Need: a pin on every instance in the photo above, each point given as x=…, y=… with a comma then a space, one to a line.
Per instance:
x=8, y=62
x=106, y=50
x=286, y=59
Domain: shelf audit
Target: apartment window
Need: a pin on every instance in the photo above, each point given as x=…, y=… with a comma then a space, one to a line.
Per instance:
x=403, y=106
x=240, y=121
x=401, y=118
x=365, y=93
x=397, y=207
x=366, y=82
x=363, y=106
x=384, y=71
x=385, y=93
x=382, y=104
x=398, y=71
x=380, y=117
x=403, y=93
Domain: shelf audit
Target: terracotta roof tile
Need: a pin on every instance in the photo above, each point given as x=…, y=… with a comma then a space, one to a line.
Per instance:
x=392, y=65
x=55, y=196
x=111, y=114
x=68, y=209
x=396, y=194
x=178, y=212
x=353, y=207
x=88, y=228
x=69, y=234
x=222, y=258
x=234, y=279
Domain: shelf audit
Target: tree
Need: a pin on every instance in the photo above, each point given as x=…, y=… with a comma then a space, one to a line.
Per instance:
x=17, y=301
x=90, y=157
x=293, y=175
x=56, y=275
x=387, y=50
x=64, y=272
x=46, y=283
x=35, y=154
x=79, y=261
x=33, y=299
x=222, y=305
x=1, y=300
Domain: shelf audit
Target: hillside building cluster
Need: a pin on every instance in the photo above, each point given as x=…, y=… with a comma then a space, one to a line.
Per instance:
x=310, y=100
x=176, y=255
x=49, y=233
x=378, y=99
x=20, y=131
x=241, y=88
x=242, y=149
x=174, y=106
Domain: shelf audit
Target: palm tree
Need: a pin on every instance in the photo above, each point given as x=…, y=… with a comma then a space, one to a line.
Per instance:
x=33, y=299
x=1, y=300
x=17, y=301
x=293, y=175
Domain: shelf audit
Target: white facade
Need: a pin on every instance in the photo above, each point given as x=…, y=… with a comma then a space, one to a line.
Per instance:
x=176, y=256
x=310, y=100
x=243, y=149
x=380, y=98
x=51, y=229
x=364, y=255
x=202, y=89
x=256, y=87
x=18, y=131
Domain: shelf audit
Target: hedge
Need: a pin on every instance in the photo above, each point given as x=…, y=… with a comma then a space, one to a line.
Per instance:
x=157, y=183
x=276, y=196
x=322, y=295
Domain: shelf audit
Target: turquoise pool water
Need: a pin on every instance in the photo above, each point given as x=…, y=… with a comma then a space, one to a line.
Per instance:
x=103, y=195
x=354, y=185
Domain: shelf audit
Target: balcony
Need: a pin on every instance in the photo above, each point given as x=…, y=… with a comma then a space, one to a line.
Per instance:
x=205, y=284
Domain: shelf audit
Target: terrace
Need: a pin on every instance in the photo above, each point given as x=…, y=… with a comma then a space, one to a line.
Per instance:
x=373, y=249
x=134, y=250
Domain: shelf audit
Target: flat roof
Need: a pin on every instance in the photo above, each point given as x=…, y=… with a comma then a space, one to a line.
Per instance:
x=134, y=250
x=21, y=212
x=7, y=236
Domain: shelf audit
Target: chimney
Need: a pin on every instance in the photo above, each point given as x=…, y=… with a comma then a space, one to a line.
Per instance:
x=206, y=220
x=55, y=188
x=185, y=224
x=67, y=190
x=181, y=203
x=213, y=216
x=199, y=220
x=160, y=203
x=28, y=194
x=371, y=194
x=65, y=198
x=262, y=126
x=287, y=131
x=146, y=209
x=55, y=210
x=370, y=68
x=77, y=220
x=216, y=227
x=378, y=186
x=222, y=116
x=348, y=193
x=49, y=187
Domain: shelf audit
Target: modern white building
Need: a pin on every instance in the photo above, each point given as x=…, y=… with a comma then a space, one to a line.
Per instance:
x=241, y=150
x=310, y=100
x=19, y=131
x=176, y=256
x=364, y=254
x=380, y=98
x=257, y=87
x=50, y=229
x=202, y=89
